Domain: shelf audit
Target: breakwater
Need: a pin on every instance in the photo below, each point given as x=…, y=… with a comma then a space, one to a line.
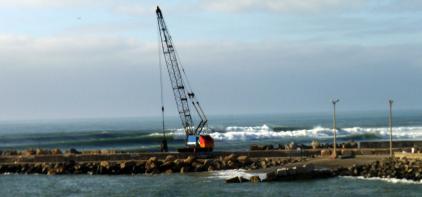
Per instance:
x=398, y=168
x=152, y=165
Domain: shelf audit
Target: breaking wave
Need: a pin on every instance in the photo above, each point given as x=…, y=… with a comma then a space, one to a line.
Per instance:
x=265, y=132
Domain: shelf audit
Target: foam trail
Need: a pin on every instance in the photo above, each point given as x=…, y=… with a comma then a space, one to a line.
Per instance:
x=389, y=180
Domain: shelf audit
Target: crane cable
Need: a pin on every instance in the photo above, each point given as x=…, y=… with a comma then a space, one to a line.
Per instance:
x=160, y=67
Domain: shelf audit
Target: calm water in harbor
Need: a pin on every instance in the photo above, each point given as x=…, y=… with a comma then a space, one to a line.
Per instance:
x=193, y=185
x=230, y=132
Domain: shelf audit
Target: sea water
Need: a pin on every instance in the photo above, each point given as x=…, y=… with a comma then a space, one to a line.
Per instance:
x=230, y=133
x=195, y=184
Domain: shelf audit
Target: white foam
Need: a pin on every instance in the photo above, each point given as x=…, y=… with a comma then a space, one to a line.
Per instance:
x=226, y=174
x=390, y=180
x=264, y=132
x=318, y=132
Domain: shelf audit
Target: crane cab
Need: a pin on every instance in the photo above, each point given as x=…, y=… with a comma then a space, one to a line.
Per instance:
x=200, y=143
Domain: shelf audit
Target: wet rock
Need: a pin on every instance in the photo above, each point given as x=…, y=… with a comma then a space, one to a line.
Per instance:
x=270, y=176
x=189, y=160
x=255, y=179
x=237, y=179
x=210, y=168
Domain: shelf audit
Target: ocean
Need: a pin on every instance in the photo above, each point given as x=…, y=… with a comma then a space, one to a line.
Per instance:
x=230, y=133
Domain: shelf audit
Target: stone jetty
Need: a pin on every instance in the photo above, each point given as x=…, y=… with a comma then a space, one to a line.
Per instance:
x=55, y=162
x=400, y=168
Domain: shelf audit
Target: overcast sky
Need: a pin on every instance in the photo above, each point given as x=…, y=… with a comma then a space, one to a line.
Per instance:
x=99, y=58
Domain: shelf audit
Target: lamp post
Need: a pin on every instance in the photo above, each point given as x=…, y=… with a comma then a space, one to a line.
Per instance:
x=334, y=101
x=390, y=124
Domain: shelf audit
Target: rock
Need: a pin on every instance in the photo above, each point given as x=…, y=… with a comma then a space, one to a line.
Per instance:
x=170, y=158
x=230, y=157
x=325, y=153
x=347, y=154
x=74, y=151
x=151, y=165
x=28, y=152
x=350, y=144
x=270, y=176
x=255, y=147
x=263, y=164
x=315, y=144
x=255, y=179
x=189, y=160
x=237, y=179
x=105, y=152
x=197, y=166
x=211, y=168
x=184, y=169
x=269, y=147
x=56, y=151
x=232, y=165
x=39, y=151
x=243, y=159
x=9, y=153
x=292, y=146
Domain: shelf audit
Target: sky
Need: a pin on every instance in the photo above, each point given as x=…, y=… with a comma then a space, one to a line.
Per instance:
x=99, y=58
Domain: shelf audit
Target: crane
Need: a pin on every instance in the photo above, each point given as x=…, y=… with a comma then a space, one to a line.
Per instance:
x=196, y=139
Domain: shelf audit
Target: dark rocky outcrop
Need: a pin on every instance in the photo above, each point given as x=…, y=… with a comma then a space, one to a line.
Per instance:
x=404, y=168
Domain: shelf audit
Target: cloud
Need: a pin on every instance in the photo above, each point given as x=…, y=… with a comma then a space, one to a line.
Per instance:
x=45, y=3
x=276, y=5
x=73, y=51
x=134, y=10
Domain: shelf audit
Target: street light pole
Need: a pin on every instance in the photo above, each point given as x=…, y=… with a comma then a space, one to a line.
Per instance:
x=334, y=155
x=390, y=124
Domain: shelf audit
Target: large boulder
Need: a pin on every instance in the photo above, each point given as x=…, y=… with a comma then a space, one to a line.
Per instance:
x=243, y=159
x=151, y=165
x=255, y=179
x=230, y=157
x=237, y=179
x=170, y=158
x=189, y=160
